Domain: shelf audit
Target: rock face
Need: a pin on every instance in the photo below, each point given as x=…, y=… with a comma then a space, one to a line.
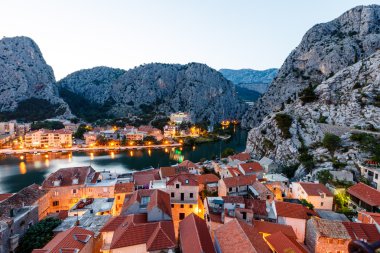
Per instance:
x=25, y=75
x=257, y=80
x=163, y=88
x=347, y=101
x=324, y=50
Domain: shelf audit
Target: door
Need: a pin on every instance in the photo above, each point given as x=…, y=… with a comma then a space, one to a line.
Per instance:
x=182, y=196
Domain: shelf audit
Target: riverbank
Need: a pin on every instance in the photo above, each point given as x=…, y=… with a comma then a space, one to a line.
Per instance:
x=56, y=150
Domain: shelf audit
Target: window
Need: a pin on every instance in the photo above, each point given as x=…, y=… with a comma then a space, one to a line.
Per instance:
x=187, y=181
x=182, y=205
x=340, y=241
x=230, y=189
x=74, y=191
x=177, y=186
x=105, y=189
x=118, y=197
x=321, y=203
x=330, y=241
x=181, y=216
x=172, y=205
x=144, y=202
x=191, y=206
x=56, y=193
x=191, y=195
x=172, y=194
x=339, y=251
x=56, y=203
x=376, y=176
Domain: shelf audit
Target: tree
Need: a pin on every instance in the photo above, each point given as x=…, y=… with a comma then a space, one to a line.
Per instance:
x=101, y=140
x=123, y=141
x=150, y=139
x=52, y=125
x=308, y=95
x=332, y=142
x=284, y=122
x=325, y=176
x=80, y=131
x=306, y=203
x=38, y=235
x=227, y=152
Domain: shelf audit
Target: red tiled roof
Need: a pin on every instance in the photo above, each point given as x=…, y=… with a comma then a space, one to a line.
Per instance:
x=208, y=178
x=156, y=235
x=271, y=228
x=186, y=179
x=374, y=216
x=66, y=176
x=257, y=206
x=251, y=167
x=172, y=171
x=236, y=237
x=365, y=193
x=283, y=244
x=233, y=199
x=234, y=171
x=239, y=181
x=241, y=156
x=188, y=164
x=362, y=231
x=124, y=187
x=113, y=223
x=329, y=228
x=313, y=189
x=158, y=198
x=71, y=239
x=144, y=177
x=95, y=177
x=26, y=197
x=5, y=196
x=292, y=210
x=194, y=235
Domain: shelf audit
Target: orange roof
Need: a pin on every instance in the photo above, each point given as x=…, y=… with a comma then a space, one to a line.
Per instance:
x=365, y=193
x=233, y=199
x=234, y=171
x=271, y=228
x=186, y=179
x=156, y=235
x=251, y=167
x=144, y=177
x=239, y=181
x=5, y=196
x=188, y=164
x=236, y=236
x=241, y=156
x=374, y=216
x=113, y=223
x=208, y=178
x=362, y=231
x=283, y=244
x=172, y=171
x=66, y=176
x=292, y=210
x=71, y=239
x=257, y=206
x=124, y=187
x=313, y=189
x=194, y=235
x=158, y=198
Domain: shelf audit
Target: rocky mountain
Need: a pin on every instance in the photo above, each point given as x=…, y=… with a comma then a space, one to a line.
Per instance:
x=336, y=91
x=153, y=88
x=324, y=50
x=27, y=83
x=256, y=80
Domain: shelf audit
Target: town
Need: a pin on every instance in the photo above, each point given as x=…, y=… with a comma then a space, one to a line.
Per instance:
x=234, y=204
x=65, y=135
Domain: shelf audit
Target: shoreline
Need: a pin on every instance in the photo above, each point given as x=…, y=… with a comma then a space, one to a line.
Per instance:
x=56, y=150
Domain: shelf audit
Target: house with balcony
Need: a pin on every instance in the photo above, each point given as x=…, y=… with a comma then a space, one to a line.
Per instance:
x=371, y=171
x=364, y=197
x=252, y=168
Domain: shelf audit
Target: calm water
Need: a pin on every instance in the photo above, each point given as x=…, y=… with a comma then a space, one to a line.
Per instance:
x=16, y=173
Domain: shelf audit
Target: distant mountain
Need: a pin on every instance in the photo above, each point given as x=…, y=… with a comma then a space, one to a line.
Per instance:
x=150, y=90
x=27, y=83
x=256, y=80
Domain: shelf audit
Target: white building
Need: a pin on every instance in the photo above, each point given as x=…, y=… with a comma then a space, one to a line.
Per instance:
x=180, y=117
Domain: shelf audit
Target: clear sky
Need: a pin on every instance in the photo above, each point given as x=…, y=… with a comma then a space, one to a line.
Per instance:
x=77, y=34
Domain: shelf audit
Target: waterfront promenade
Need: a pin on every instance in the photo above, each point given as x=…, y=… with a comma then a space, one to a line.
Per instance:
x=55, y=150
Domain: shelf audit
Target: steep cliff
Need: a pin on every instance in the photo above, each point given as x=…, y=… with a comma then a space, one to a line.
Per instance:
x=26, y=80
x=346, y=103
x=158, y=88
x=324, y=50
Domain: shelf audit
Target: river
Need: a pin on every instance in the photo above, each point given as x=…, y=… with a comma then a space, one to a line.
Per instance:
x=17, y=172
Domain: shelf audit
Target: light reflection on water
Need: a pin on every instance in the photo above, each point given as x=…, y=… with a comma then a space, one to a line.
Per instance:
x=17, y=172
